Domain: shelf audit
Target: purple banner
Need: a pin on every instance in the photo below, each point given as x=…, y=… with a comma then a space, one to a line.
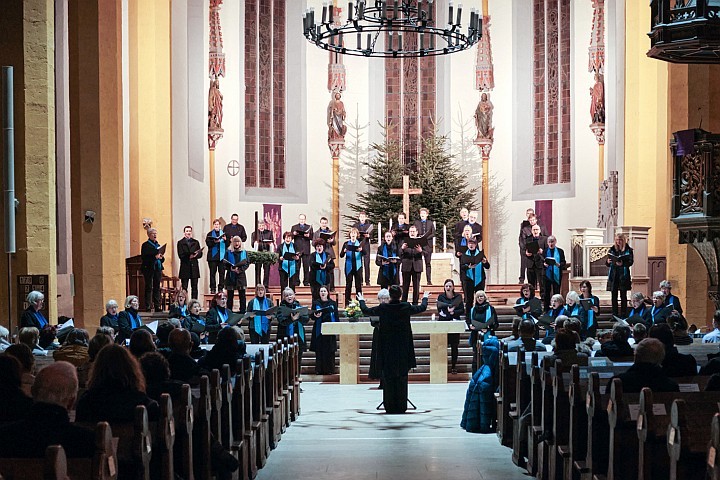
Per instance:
x=272, y=214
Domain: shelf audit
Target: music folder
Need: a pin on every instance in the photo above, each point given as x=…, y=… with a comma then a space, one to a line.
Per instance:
x=161, y=250
x=327, y=235
x=289, y=256
x=262, y=313
x=413, y=242
x=532, y=246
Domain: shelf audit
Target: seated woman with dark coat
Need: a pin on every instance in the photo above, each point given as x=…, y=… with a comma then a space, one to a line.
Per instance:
x=14, y=404
x=179, y=308
x=566, y=349
x=228, y=348
x=640, y=313
x=194, y=322
x=115, y=387
x=182, y=366
x=129, y=319
x=32, y=316
x=110, y=319
x=618, y=347
x=156, y=370
x=217, y=317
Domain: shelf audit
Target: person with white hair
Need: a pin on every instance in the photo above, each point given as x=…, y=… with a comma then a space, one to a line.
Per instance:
x=110, y=319
x=670, y=299
x=32, y=315
x=659, y=312
x=646, y=371
x=4, y=338
x=48, y=423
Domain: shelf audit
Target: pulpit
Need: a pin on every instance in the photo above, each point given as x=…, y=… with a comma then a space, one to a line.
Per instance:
x=349, y=332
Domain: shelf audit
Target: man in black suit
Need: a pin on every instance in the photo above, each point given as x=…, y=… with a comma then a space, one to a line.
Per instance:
x=189, y=252
x=302, y=236
x=646, y=371
x=411, y=267
x=460, y=226
x=235, y=229
x=395, y=347
x=364, y=228
x=534, y=261
x=152, y=268
x=54, y=392
x=426, y=227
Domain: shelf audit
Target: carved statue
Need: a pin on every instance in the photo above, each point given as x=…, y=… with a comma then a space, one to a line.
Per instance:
x=215, y=106
x=336, y=118
x=597, y=100
x=484, y=117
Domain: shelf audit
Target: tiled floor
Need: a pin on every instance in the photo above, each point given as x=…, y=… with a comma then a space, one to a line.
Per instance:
x=340, y=435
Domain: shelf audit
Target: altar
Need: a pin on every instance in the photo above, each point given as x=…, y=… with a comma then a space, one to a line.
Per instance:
x=349, y=332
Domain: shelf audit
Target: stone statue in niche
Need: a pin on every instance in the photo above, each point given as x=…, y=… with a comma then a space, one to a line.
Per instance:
x=597, y=100
x=484, y=117
x=215, y=106
x=336, y=118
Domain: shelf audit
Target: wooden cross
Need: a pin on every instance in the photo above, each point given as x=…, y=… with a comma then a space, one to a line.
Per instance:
x=406, y=191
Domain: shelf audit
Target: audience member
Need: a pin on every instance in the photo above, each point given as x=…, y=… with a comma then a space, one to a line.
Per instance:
x=95, y=345
x=227, y=350
x=4, y=338
x=714, y=336
x=48, y=422
x=27, y=365
x=646, y=371
x=514, y=331
x=14, y=403
x=110, y=319
x=163, y=335
x=75, y=348
x=30, y=336
x=583, y=346
x=565, y=349
x=116, y=386
x=618, y=348
x=675, y=364
x=527, y=339
x=639, y=332
x=182, y=366
x=141, y=342
x=679, y=328
x=197, y=351
x=156, y=369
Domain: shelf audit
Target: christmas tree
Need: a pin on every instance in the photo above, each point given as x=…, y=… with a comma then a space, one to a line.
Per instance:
x=445, y=186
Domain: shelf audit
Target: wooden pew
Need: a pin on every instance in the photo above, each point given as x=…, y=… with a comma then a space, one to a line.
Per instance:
x=52, y=467
x=135, y=445
x=653, y=420
x=163, y=438
x=270, y=391
x=216, y=404
x=183, y=413
x=713, y=462
x=622, y=445
x=251, y=430
x=55, y=465
x=688, y=434
x=522, y=400
x=202, y=420
x=535, y=427
x=546, y=445
x=239, y=447
x=226, y=416
x=285, y=390
x=259, y=423
x=295, y=370
x=505, y=396
x=595, y=461
x=559, y=451
x=281, y=386
x=577, y=424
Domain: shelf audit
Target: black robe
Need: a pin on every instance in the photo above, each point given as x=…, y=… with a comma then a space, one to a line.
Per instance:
x=324, y=345
x=619, y=276
x=389, y=275
x=189, y=267
x=285, y=321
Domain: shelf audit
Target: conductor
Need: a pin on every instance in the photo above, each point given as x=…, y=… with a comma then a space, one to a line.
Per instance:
x=396, y=351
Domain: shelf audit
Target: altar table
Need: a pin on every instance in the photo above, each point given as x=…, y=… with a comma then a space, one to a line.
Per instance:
x=349, y=332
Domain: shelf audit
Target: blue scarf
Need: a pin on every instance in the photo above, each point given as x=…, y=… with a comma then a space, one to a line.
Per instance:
x=591, y=313
x=183, y=311
x=654, y=311
x=235, y=257
x=135, y=319
x=353, y=259
x=390, y=270
x=476, y=273
x=289, y=266
x=261, y=323
x=222, y=314
x=463, y=242
x=552, y=272
x=320, y=274
x=300, y=328
x=200, y=320
x=488, y=313
x=575, y=311
x=41, y=319
x=319, y=322
x=158, y=264
x=220, y=246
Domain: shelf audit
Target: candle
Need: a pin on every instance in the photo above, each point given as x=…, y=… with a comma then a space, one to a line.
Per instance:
x=444, y=238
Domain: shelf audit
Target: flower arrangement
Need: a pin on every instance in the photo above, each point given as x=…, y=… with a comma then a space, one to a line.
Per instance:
x=352, y=311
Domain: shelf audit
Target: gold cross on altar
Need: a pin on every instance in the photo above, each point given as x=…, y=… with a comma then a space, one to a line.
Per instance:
x=406, y=191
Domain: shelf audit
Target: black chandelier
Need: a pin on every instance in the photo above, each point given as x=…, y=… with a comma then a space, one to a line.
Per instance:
x=411, y=27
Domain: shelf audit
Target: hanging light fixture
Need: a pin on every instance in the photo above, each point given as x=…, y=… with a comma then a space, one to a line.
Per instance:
x=399, y=19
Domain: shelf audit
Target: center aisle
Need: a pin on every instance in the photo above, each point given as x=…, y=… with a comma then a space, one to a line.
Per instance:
x=340, y=435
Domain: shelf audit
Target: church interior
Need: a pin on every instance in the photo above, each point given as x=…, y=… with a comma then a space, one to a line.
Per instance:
x=124, y=119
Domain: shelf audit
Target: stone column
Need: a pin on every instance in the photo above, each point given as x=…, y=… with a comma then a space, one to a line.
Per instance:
x=27, y=44
x=96, y=156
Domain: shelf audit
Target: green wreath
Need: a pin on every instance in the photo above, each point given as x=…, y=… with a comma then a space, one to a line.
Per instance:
x=269, y=258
